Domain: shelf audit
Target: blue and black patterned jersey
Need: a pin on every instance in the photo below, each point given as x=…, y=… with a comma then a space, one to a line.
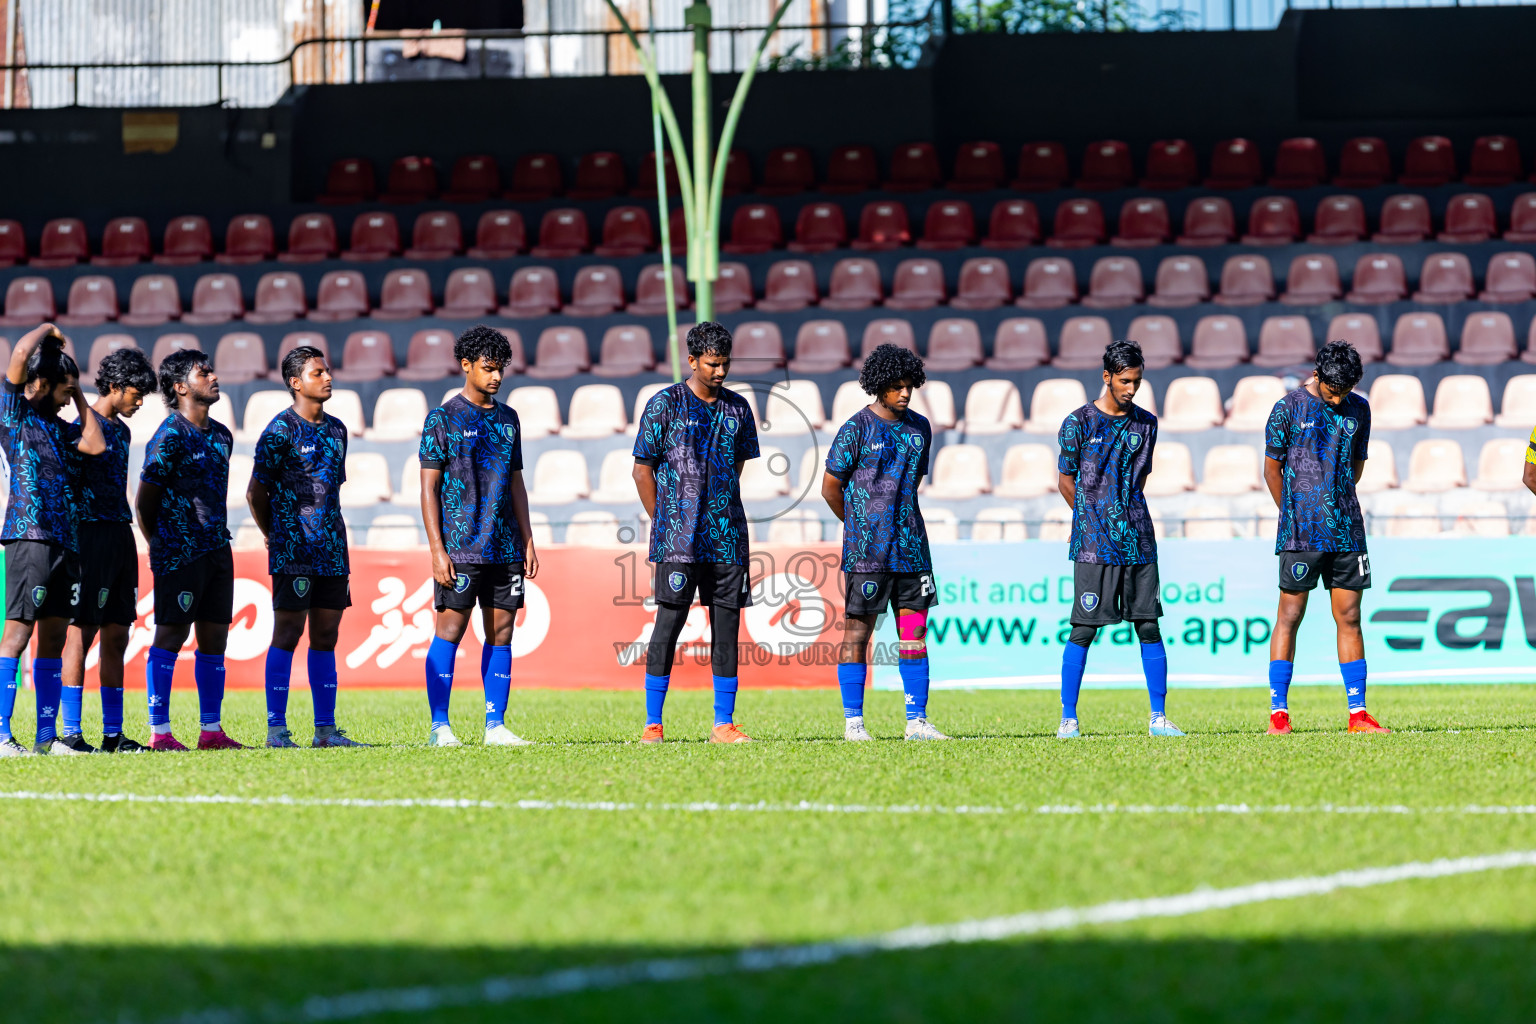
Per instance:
x=1110, y=457
x=1316, y=445
x=302, y=466
x=191, y=467
x=44, y=468
x=695, y=447
x=880, y=463
x=477, y=450
x=101, y=491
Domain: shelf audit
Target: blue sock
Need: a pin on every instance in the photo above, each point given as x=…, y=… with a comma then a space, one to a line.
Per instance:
x=279, y=673
x=1074, y=658
x=208, y=671
x=48, y=679
x=322, y=686
x=914, y=680
x=111, y=710
x=725, y=699
x=159, y=671
x=9, y=669
x=1354, y=683
x=1154, y=665
x=498, y=685
x=655, y=697
x=440, y=678
x=485, y=661
x=1280, y=684
x=850, y=680
x=71, y=708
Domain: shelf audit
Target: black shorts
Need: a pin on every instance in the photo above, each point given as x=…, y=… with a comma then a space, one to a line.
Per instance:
x=491, y=586
x=1106, y=594
x=1344, y=570
x=294, y=593
x=718, y=584
x=203, y=591
x=109, y=575
x=872, y=593
x=42, y=580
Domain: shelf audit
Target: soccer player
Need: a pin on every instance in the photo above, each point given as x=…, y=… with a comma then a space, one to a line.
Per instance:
x=182, y=512
x=475, y=508
x=692, y=441
x=1106, y=454
x=109, y=561
x=876, y=462
x=42, y=552
x=294, y=496
x=1315, y=446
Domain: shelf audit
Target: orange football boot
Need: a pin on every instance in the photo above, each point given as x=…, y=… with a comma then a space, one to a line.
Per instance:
x=1279, y=723
x=1361, y=721
x=652, y=733
x=728, y=733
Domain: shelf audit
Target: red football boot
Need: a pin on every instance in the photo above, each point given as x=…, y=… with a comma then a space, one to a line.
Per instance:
x=217, y=740
x=1361, y=721
x=1279, y=723
x=165, y=741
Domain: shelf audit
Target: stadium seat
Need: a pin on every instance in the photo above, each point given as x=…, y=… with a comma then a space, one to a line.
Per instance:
x=1445, y=277
x=1510, y=277
x=790, y=407
x=1246, y=281
x=1056, y=527
x=279, y=298
x=820, y=227
x=960, y=472
x=1143, y=222
x=13, y=243
x=1252, y=401
x=1312, y=280
x=1208, y=221
x=996, y=525
x=759, y=346
x=1209, y=522
x=249, y=238
x=651, y=291
x=538, y=410
x=1518, y=406
x=92, y=301
x=995, y=407
x=1042, y=167
x=854, y=286
x=1050, y=282
x=954, y=344
x=435, y=236
x=1019, y=344
x=1106, y=166
x=404, y=295
x=105, y=344
x=499, y=234
x=1234, y=164
x=473, y=179
x=349, y=180
x=562, y=233
x=1013, y=224
x=398, y=414
x=239, y=479
x=885, y=332
x=615, y=480
x=746, y=392
x=1181, y=281
x=948, y=225
x=790, y=287
x=1469, y=218
x=367, y=355
x=124, y=242
x=596, y=291
x=596, y=411
x=765, y=477
x=1079, y=223
x=599, y=175
x=1378, y=278
x=311, y=238
x=469, y=294
x=848, y=400
x=375, y=236
x=1286, y=341
x=1173, y=471
x=1114, y=282
x=1435, y=465
x=1191, y=404
x=1081, y=343
x=342, y=295
x=1363, y=163
x=1500, y=464
x=1359, y=330
x=787, y=170
x=62, y=244
x=1397, y=402
x=1339, y=220
x=394, y=532
x=1170, y=166
x=534, y=291
x=153, y=300
x=1418, y=339
x=1273, y=221
x=755, y=228
x=28, y=302
x=216, y=299
x=535, y=176
x=593, y=529
x=561, y=352
x=1495, y=161
x=291, y=341
x=851, y=169
x=1050, y=403
x=1522, y=219
x=625, y=351
x=559, y=478
x=1462, y=402
x=1230, y=469
x=821, y=346
x=978, y=167
x=1299, y=163
x=1220, y=343
x=1482, y=519
x=168, y=343
x=914, y=168
x=1158, y=337
x=936, y=401
x=645, y=185
x=917, y=284
x=1428, y=163
x=430, y=356
x=1380, y=469
x=1412, y=520
x=983, y=284
x=797, y=526
x=1404, y=219
x=883, y=225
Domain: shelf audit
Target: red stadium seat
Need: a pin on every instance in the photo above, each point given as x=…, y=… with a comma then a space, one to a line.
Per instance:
x=954, y=344
x=562, y=233
x=534, y=292
x=787, y=170
x=917, y=284
x=367, y=355
x=1522, y=219
x=279, y=298
x=535, y=176
x=430, y=355
x=651, y=291
x=28, y=302
x=1019, y=344
x=412, y=179
x=1299, y=163
x=1014, y=224
x=1286, y=341
x=599, y=175
x=914, y=168
x=759, y=346
x=153, y=300
x=249, y=238
x=791, y=286
x=291, y=341
x=1487, y=339
x=948, y=225
x=677, y=228
x=1419, y=339
x=755, y=228
x=1378, y=277
x=1050, y=282
x=855, y=284
x=1428, y=163
x=1511, y=277
x=1143, y=222
x=597, y=291
x=311, y=238
x=883, y=225
x=1208, y=221
x=1312, y=280
x=1445, y=277
x=561, y=352
x=13, y=243
x=885, y=332
x=1495, y=161
x=469, y=294
x=1245, y=281
x=405, y=294
x=1081, y=343
x=738, y=173
x=978, y=167
x=852, y=169
x=92, y=301
x=645, y=184
x=1079, y=224
x=1234, y=164
x=375, y=236
x=216, y=299
x=1363, y=163
x=1158, y=336
x=821, y=346
x=168, y=343
x=1106, y=165
x=350, y=180
x=1469, y=218
x=983, y=284
x=1181, y=281
x=625, y=351
x=626, y=232
x=819, y=227
x=1115, y=282
x=1042, y=167
x=188, y=240
x=435, y=236
x=733, y=288
x=1361, y=331
x=1220, y=343
x=1273, y=221
x=240, y=358
x=1170, y=165
x=124, y=242
x=342, y=295
x=1404, y=219
x=63, y=244
x=474, y=179
x=498, y=235
x=1339, y=220
x=103, y=346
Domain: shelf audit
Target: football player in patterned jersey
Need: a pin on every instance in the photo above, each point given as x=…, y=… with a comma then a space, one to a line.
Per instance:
x=874, y=467
x=475, y=508
x=1106, y=454
x=42, y=550
x=693, y=438
x=294, y=496
x=182, y=511
x=1315, y=449
x=109, y=559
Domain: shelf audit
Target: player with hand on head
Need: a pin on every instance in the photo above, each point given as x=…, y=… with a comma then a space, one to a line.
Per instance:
x=1106, y=454
x=183, y=513
x=109, y=559
x=294, y=497
x=693, y=438
x=1315, y=449
x=40, y=535
x=874, y=467
x=475, y=507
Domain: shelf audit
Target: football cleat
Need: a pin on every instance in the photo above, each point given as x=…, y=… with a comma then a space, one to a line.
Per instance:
x=330, y=736
x=217, y=739
x=652, y=733
x=76, y=742
x=728, y=733
x=10, y=748
x=919, y=729
x=165, y=741
x=279, y=738
x=499, y=735
x=55, y=748
x=442, y=736
x=117, y=743
x=1361, y=721
x=1279, y=723
x=854, y=731
x=1067, y=730
x=1160, y=726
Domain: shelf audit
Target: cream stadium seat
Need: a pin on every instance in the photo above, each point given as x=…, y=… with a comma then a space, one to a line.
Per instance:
x=813, y=463
x=1145, y=397
x=596, y=411
x=1414, y=519
x=538, y=410
x=643, y=399
x=347, y=406
x=850, y=398
x=999, y=524
x=615, y=479
x=1029, y=470
x=1435, y=465
x=248, y=536
x=398, y=415
x=1397, y=402
x=1209, y=522
x=1173, y=471
x=936, y=401
x=367, y=481
x=260, y=408
x=1482, y=519
x=1230, y=469
x=1380, y=470
x=409, y=494
x=1191, y=403
x=1057, y=525
x=943, y=525
x=143, y=424
x=559, y=477
x=960, y=472
x=1462, y=402
x=1051, y=402
x=1252, y=401
x=792, y=408
x=542, y=532
x=749, y=393
x=240, y=467
x=593, y=529
x=1266, y=522
x=994, y=407
x=765, y=477
x=1517, y=409
x=1501, y=464
x=392, y=532
x=797, y=526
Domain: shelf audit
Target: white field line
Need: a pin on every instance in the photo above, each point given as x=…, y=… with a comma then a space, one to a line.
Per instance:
x=766, y=807
x=507, y=989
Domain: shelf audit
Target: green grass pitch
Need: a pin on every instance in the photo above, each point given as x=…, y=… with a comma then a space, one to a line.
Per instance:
x=225, y=913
